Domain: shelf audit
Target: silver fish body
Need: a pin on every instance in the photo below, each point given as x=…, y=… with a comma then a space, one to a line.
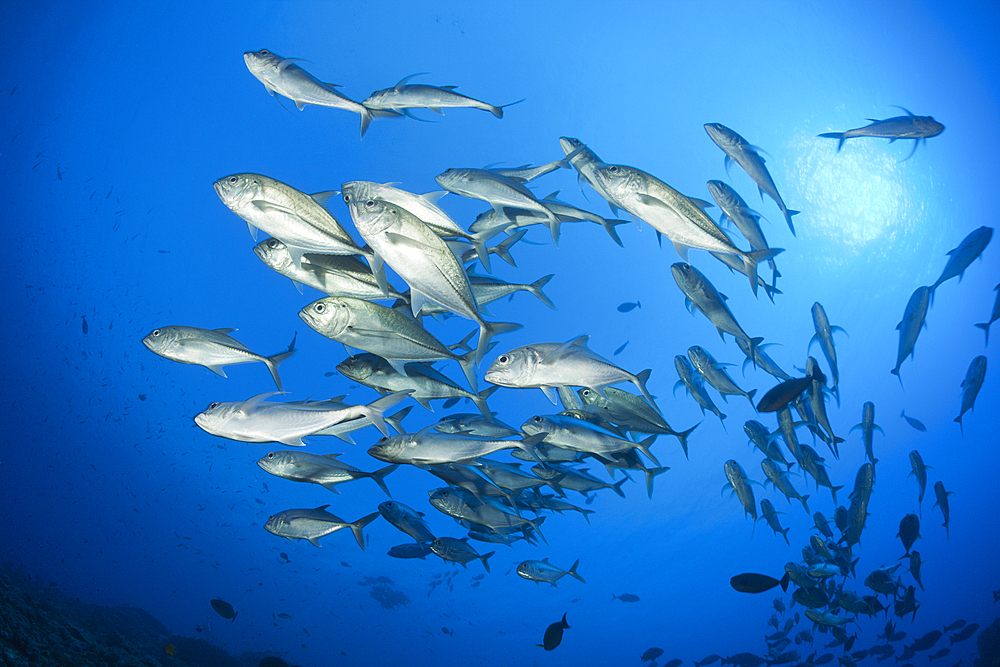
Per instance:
x=544, y=571
x=703, y=296
x=740, y=485
x=326, y=471
x=312, y=524
x=918, y=128
x=715, y=374
x=406, y=519
x=911, y=324
x=960, y=257
x=971, y=385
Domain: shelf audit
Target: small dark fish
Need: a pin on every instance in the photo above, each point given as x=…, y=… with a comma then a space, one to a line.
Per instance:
x=651, y=654
x=748, y=582
x=554, y=633
x=909, y=531
x=676, y=662
x=618, y=351
x=955, y=626
x=224, y=609
x=163, y=252
x=284, y=556
x=328, y=374
x=629, y=305
x=966, y=633
x=142, y=397
x=344, y=563
x=285, y=616
x=447, y=631
x=781, y=395
x=913, y=422
x=86, y=328
x=625, y=597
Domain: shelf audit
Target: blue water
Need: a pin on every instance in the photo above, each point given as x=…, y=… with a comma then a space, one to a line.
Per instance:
x=117, y=119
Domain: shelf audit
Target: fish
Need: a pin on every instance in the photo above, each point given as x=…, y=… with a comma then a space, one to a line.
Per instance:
x=762, y=439
x=549, y=365
x=211, y=348
x=497, y=190
x=282, y=76
x=418, y=550
x=428, y=448
x=224, y=609
x=459, y=551
x=619, y=350
x=541, y=570
x=693, y=383
x=586, y=162
x=326, y=471
x=740, y=485
x=960, y=257
x=918, y=128
x=759, y=358
x=769, y=514
x=420, y=257
x=817, y=401
x=737, y=212
x=625, y=597
x=780, y=481
x=966, y=633
x=298, y=220
x=942, y=502
x=312, y=524
x=651, y=654
x=631, y=413
x=994, y=316
x=407, y=519
x=678, y=217
x=910, y=326
x=824, y=336
x=702, y=295
x=581, y=436
x=715, y=374
x=405, y=96
x=919, y=471
x=382, y=331
x=915, y=423
x=83, y=322
x=779, y=396
x=955, y=625
x=628, y=305
x=553, y=634
x=909, y=531
x=868, y=427
x=970, y=387
x=255, y=420
x=747, y=156
x=462, y=505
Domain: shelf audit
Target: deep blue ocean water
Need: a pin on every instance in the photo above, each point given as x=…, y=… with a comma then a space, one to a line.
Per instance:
x=115, y=120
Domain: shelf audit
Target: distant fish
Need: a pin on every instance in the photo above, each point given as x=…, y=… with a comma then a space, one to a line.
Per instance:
x=918, y=128
x=909, y=327
x=284, y=556
x=618, y=351
x=970, y=387
x=966, y=252
x=405, y=96
x=651, y=654
x=224, y=609
x=629, y=305
x=83, y=318
x=553, y=634
x=994, y=316
x=909, y=531
x=942, y=502
x=915, y=423
x=625, y=597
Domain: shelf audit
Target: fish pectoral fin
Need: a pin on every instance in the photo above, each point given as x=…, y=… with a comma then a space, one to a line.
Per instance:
x=265, y=206
x=550, y=393
x=682, y=250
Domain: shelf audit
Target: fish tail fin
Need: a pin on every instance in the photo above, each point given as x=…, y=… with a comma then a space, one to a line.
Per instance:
x=985, y=326
x=374, y=410
x=480, y=401
x=617, y=486
x=503, y=248
x=754, y=343
x=839, y=136
x=788, y=219
x=833, y=491
x=379, y=477
x=784, y=534
x=640, y=382
x=644, y=448
x=528, y=445
x=895, y=371
x=272, y=362
x=478, y=242
x=805, y=503
x=750, y=261
x=468, y=363
x=572, y=571
x=489, y=329
x=960, y=427
x=498, y=112
x=651, y=473
x=361, y=523
x=396, y=420
x=486, y=560
x=366, y=119
x=536, y=289
x=683, y=437
x=783, y=582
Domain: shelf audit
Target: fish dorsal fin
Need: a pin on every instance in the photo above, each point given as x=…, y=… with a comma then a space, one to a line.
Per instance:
x=283, y=65
x=322, y=508
x=701, y=203
x=322, y=198
x=550, y=394
x=254, y=401
x=432, y=197
x=724, y=297
x=406, y=79
x=907, y=111
x=225, y=331
x=580, y=341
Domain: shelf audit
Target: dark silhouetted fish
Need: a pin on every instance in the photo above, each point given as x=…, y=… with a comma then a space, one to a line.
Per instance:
x=748, y=582
x=960, y=257
x=994, y=316
x=629, y=305
x=553, y=634
x=224, y=609
x=909, y=531
x=915, y=423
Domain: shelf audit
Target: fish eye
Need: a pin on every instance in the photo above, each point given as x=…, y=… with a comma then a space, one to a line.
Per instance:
x=381, y=440
x=347, y=199
x=586, y=392
x=156, y=333
x=503, y=359
x=233, y=180
x=264, y=52
x=319, y=307
x=536, y=419
x=213, y=405
x=272, y=244
x=613, y=169
x=270, y=455
x=370, y=204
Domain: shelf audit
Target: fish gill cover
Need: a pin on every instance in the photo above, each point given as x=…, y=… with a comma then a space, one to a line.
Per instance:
x=114, y=494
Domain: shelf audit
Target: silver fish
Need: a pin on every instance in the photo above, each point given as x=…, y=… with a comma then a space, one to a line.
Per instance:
x=970, y=387
x=693, y=383
x=740, y=485
x=780, y=481
x=406, y=519
x=586, y=162
x=428, y=448
x=715, y=374
x=580, y=436
x=459, y=551
x=769, y=514
x=282, y=76
x=942, y=502
x=918, y=128
x=919, y=472
x=868, y=427
x=631, y=412
x=254, y=420
x=702, y=295
x=496, y=189
x=549, y=365
x=824, y=336
x=211, y=348
x=326, y=471
x=405, y=96
x=747, y=156
x=456, y=504
x=541, y=570
x=382, y=331
x=994, y=316
x=759, y=358
x=911, y=324
x=312, y=524
x=745, y=218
